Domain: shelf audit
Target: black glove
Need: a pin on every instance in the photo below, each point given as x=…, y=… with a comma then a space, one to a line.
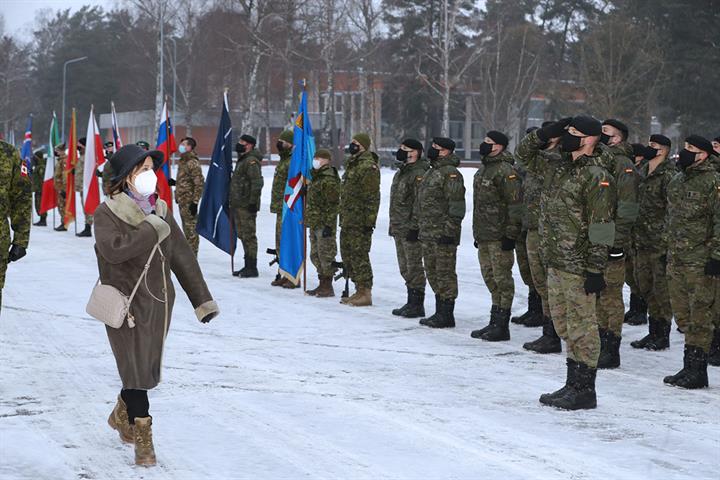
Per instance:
x=16, y=253
x=712, y=268
x=507, y=244
x=553, y=130
x=252, y=208
x=171, y=182
x=616, y=254
x=327, y=232
x=475, y=244
x=98, y=173
x=446, y=240
x=594, y=283
x=413, y=236
x=193, y=209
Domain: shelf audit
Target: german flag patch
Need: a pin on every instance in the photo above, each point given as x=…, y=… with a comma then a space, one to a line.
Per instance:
x=604, y=183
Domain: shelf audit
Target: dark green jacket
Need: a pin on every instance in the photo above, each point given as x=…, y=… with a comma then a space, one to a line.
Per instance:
x=693, y=216
x=402, y=197
x=15, y=201
x=534, y=181
x=649, y=230
x=627, y=179
x=360, y=197
x=497, y=200
x=247, y=181
x=279, y=181
x=323, y=198
x=440, y=203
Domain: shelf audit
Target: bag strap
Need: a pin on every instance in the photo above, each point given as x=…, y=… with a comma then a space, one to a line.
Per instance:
x=143, y=274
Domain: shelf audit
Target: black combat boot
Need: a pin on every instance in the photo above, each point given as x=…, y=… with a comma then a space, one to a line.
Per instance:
x=633, y=307
x=493, y=314
x=572, y=366
x=60, y=228
x=499, y=330
x=399, y=311
x=415, y=306
x=695, y=370
x=444, y=316
x=249, y=270
x=533, y=316
x=42, y=222
x=581, y=393
x=549, y=342
x=652, y=332
x=661, y=340
x=640, y=316
x=609, y=350
x=87, y=232
x=714, y=355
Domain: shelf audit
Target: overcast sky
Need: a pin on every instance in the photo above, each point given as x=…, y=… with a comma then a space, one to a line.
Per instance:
x=20, y=14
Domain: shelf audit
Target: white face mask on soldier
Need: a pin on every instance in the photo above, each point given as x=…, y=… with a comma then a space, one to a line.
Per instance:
x=145, y=183
x=317, y=163
x=182, y=149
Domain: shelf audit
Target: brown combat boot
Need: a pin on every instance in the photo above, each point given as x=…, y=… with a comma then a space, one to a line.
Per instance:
x=144, y=449
x=362, y=298
x=118, y=420
x=314, y=291
x=325, y=289
x=278, y=281
x=289, y=284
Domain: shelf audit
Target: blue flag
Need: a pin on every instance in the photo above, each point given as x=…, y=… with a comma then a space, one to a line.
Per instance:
x=292, y=241
x=214, y=219
x=26, y=152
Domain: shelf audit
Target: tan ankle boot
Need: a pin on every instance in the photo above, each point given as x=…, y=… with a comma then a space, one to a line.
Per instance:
x=362, y=298
x=325, y=289
x=118, y=420
x=144, y=449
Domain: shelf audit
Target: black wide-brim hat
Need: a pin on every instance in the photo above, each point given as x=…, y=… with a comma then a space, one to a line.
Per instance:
x=128, y=157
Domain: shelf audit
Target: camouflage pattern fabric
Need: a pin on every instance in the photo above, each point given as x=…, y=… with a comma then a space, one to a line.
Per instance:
x=649, y=229
x=38, y=177
x=610, y=308
x=278, y=232
x=497, y=200
x=496, y=268
x=651, y=278
x=630, y=256
x=403, y=193
x=440, y=262
x=246, y=231
x=522, y=259
x=247, y=182
x=60, y=181
x=355, y=246
x=107, y=174
x=618, y=161
x=537, y=268
x=691, y=296
x=440, y=204
x=360, y=198
x=322, y=252
x=323, y=198
x=277, y=193
x=188, y=190
x=409, y=257
x=15, y=204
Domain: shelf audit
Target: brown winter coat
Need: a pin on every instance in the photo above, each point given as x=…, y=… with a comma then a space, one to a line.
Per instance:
x=124, y=238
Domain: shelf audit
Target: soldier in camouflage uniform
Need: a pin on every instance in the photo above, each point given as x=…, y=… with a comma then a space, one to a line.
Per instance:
x=15, y=206
x=535, y=161
x=650, y=243
x=106, y=173
x=576, y=229
x=497, y=220
x=693, y=239
x=404, y=227
x=610, y=307
x=59, y=182
x=79, y=182
x=188, y=190
x=359, y=204
x=245, y=189
x=323, y=202
x=714, y=355
x=277, y=196
x=38, y=177
x=440, y=209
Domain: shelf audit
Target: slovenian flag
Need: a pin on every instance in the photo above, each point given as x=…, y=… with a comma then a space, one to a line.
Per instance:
x=94, y=157
x=26, y=152
x=49, y=195
x=166, y=144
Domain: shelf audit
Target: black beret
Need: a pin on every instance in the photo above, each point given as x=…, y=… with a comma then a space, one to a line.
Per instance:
x=588, y=125
x=249, y=139
x=638, y=149
x=546, y=123
x=701, y=142
x=498, y=137
x=661, y=139
x=82, y=141
x=445, y=142
x=619, y=125
x=412, y=143
x=531, y=129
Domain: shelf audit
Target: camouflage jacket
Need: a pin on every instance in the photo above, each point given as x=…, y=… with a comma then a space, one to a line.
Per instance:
x=534, y=181
x=649, y=229
x=79, y=172
x=279, y=180
x=189, y=182
x=247, y=182
x=440, y=202
x=576, y=209
x=627, y=179
x=693, y=216
x=715, y=160
x=360, y=197
x=15, y=200
x=497, y=200
x=107, y=174
x=402, y=196
x=59, y=175
x=323, y=198
x=38, y=172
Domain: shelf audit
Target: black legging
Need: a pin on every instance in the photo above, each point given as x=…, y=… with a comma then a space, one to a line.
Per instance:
x=137, y=403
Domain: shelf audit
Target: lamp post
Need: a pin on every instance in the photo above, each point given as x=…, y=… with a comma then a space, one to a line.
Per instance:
x=74, y=60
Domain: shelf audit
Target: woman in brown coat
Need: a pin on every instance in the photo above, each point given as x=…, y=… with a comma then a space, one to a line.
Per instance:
x=128, y=225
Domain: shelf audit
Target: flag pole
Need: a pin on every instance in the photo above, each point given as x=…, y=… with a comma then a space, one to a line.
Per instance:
x=230, y=213
x=167, y=148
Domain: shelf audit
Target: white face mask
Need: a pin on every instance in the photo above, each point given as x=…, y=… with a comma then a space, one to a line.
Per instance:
x=182, y=149
x=317, y=163
x=145, y=183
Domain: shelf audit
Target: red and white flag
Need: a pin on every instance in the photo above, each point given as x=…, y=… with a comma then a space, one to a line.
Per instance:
x=117, y=141
x=93, y=159
x=49, y=195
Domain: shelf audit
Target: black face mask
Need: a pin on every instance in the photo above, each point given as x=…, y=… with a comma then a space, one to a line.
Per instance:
x=569, y=142
x=401, y=155
x=604, y=138
x=650, y=153
x=353, y=148
x=485, y=148
x=686, y=159
x=433, y=153
x=280, y=146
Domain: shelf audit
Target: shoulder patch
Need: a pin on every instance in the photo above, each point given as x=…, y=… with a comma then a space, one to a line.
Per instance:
x=452, y=175
x=628, y=170
x=604, y=183
x=512, y=177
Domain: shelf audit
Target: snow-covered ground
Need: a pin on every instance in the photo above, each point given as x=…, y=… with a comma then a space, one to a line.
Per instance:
x=287, y=386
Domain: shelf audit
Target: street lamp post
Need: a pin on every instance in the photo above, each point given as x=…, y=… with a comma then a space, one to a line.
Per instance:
x=74, y=60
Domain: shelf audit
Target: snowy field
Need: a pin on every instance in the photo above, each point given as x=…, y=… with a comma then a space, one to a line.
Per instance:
x=282, y=386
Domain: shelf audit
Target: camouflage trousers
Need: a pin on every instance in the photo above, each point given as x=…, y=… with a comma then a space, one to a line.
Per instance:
x=322, y=252
x=278, y=232
x=716, y=304
x=523, y=261
x=410, y=261
x=652, y=282
x=355, y=246
x=245, y=224
x=610, y=305
x=4, y=250
x=573, y=315
x=691, y=296
x=38, y=201
x=88, y=218
x=439, y=261
x=537, y=267
x=630, y=275
x=496, y=268
x=61, y=206
x=189, y=224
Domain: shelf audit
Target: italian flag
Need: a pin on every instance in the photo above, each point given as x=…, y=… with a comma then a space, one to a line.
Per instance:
x=49, y=195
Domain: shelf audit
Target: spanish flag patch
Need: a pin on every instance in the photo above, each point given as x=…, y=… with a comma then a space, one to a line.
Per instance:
x=604, y=183
x=628, y=170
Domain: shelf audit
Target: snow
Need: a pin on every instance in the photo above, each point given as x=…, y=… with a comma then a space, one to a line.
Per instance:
x=286, y=386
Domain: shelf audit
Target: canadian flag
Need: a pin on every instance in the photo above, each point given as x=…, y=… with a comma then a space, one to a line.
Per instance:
x=93, y=159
